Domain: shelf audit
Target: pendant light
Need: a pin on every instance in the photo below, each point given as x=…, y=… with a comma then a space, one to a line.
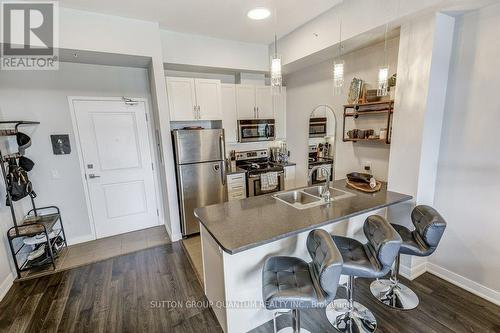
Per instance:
x=338, y=66
x=276, y=75
x=383, y=71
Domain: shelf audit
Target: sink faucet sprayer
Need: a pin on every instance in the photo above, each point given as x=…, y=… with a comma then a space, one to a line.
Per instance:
x=325, y=194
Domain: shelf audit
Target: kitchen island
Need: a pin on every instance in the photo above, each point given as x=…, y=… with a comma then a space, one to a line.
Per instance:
x=238, y=236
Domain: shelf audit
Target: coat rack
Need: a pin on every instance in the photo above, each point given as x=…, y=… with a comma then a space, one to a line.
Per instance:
x=38, y=220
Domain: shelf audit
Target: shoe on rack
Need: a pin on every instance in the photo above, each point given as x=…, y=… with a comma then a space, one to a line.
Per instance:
x=37, y=239
x=58, y=244
x=37, y=253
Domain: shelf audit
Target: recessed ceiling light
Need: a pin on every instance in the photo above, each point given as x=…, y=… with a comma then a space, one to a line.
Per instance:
x=259, y=13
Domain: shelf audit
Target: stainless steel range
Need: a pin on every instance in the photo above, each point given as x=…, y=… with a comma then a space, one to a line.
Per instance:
x=259, y=168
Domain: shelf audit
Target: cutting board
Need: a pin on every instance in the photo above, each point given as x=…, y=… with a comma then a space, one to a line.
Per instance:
x=363, y=187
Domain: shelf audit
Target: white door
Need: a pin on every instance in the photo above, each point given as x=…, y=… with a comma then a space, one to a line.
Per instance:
x=229, y=116
x=114, y=143
x=208, y=99
x=181, y=98
x=264, y=102
x=245, y=101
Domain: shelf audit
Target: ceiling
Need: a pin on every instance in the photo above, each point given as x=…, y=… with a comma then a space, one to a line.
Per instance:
x=226, y=19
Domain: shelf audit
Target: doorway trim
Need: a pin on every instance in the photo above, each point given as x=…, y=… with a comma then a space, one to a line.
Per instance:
x=154, y=158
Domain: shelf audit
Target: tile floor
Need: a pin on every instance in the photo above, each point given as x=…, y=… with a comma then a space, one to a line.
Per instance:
x=105, y=248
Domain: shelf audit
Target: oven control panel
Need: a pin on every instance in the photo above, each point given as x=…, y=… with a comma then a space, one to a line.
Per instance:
x=252, y=154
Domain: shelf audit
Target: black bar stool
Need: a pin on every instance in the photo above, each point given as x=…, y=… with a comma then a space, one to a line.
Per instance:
x=422, y=242
x=371, y=260
x=290, y=283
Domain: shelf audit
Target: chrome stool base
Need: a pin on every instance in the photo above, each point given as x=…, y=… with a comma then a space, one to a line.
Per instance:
x=295, y=328
x=290, y=330
x=357, y=320
x=394, y=294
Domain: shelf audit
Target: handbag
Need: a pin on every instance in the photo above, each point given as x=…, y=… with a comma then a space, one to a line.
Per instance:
x=18, y=184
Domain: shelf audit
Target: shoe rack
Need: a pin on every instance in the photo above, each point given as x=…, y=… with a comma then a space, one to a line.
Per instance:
x=46, y=221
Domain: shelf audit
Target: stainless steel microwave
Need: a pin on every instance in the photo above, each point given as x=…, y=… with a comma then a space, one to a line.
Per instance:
x=317, y=127
x=256, y=130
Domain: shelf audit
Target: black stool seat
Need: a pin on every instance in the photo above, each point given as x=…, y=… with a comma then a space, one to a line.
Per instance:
x=287, y=284
x=290, y=283
x=424, y=239
x=412, y=244
x=421, y=242
x=356, y=259
x=371, y=260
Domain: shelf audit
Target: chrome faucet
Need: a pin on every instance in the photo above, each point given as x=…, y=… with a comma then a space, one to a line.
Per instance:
x=325, y=194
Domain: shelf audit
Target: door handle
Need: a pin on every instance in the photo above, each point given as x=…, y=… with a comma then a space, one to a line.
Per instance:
x=223, y=153
x=93, y=176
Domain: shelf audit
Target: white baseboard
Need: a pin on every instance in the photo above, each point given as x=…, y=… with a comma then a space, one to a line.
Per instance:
x=6, y=284
x=81, y=239
x=176, y=237
x=465, y=283
x=413, y=272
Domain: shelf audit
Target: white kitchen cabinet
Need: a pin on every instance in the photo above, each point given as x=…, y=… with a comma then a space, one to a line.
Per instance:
x=289, y=177
x=181, y=98
x=208, y=99
x=229, y=115
x=264, y=102
x=254, y=102
x=236, y=186
x=193, y=99
x=280, y=114
x=245, y=101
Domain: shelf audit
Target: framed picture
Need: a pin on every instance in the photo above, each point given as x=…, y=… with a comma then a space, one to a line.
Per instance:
x=60, y=144
x=355, y=91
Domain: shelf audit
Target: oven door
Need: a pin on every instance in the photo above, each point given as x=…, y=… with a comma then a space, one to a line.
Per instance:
x=317, y=127
x=256, y=130
x=253, y=185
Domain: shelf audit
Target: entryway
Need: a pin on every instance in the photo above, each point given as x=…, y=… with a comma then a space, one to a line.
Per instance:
x=114, y=148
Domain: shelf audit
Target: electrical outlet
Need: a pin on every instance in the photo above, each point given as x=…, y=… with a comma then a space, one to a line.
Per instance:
x=367, y=165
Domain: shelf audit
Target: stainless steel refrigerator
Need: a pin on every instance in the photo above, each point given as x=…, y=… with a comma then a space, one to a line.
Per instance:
x=201, y=172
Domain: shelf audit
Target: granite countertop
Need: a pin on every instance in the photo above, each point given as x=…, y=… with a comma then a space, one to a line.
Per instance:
x=244, y=224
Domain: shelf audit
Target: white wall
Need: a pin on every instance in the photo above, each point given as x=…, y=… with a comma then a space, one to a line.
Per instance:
x=468, y=184
x=313, y=86
x=188, y=49
x=42, y=96
x=424, y=58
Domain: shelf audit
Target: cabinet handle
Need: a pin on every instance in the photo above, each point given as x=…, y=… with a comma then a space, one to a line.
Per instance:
x=195, y=112
x=199, y=113
x=258, y=112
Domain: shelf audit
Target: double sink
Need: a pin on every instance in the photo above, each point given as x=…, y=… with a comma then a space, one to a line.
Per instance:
x=310, y=197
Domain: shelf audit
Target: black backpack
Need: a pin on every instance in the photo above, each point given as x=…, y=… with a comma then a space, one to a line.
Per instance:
x=18, y=184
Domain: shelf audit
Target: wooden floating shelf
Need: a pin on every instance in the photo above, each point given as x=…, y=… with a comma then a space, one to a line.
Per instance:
x=364, y=113
x=372, y=108
x=368, y=104
x=367, y=140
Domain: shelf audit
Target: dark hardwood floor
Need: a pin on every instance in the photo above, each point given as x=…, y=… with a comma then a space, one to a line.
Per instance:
x=125, y=294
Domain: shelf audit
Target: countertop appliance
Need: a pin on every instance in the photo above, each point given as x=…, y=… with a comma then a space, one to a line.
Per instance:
x=317, y=127
x=255, y=163
x=256, y=130
x=201, y=172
